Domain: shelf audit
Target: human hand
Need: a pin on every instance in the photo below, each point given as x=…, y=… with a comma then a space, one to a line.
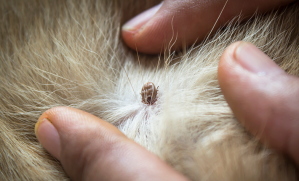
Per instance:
x=186, y=21
x=92, y=149
x=262, y=96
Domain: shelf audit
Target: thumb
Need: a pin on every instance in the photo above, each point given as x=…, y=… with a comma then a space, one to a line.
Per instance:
x=262, y=96
x=170, y=25
x=92, y=149
x=176, y=23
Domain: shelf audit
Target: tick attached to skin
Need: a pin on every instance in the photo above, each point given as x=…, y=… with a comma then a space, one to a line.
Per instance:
x=149, y=93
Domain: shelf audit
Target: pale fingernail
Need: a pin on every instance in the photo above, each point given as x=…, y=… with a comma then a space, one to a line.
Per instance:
x=254, y=60
x=48, y=137
x=138, y=21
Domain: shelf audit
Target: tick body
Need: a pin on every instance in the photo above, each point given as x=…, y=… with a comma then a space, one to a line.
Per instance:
x=149, y=93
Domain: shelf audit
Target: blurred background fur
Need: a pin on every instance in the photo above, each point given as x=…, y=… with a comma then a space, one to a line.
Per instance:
x=70, y=53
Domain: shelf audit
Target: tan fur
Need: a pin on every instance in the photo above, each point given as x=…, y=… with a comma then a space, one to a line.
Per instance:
x=70, y=53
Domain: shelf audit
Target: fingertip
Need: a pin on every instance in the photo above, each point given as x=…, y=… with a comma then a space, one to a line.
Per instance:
x=47, y=133
x=68, y=119
x=59, y=117
x=94, y=149
x=227, y=60
x=140, y=20
x=48, y=137
x=133, y=31
x=172, y=26
x=129, y=39
x=261, y=95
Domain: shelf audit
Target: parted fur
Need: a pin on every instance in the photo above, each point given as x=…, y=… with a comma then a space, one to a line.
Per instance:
x=70, y=53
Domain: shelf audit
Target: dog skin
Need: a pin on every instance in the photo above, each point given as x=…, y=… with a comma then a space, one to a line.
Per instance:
x=69, y=53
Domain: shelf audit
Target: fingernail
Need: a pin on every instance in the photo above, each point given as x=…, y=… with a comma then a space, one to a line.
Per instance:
x=254, y=60
x=138, y=21
x=48, y=137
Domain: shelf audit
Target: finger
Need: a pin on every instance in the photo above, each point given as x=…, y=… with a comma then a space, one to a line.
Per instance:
x=176, y=23
x=92, y=149
x=262, y=96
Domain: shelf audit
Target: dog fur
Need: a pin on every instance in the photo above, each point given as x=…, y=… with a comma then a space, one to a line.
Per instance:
x=70, y=53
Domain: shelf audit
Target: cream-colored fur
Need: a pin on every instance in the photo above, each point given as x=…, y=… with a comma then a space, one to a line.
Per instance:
x=70, y=53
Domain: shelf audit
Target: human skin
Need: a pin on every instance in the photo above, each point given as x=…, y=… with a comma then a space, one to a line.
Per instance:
x=179, y=23
x=90, y=148
x=262, y=96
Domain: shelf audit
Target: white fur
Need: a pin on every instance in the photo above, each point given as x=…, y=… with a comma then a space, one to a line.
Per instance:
x=70, y=54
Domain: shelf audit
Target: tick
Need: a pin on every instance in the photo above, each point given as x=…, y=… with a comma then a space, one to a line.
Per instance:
x=149, y=93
